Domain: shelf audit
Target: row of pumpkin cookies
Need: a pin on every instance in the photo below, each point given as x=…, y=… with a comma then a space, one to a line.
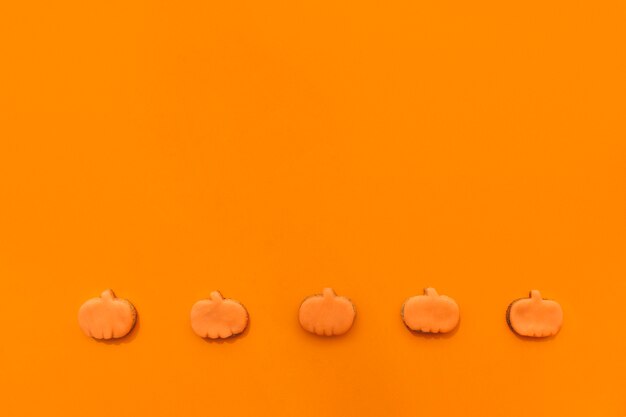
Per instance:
x=326, y=314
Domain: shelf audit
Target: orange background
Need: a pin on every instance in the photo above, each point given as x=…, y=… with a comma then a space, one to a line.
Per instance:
x=267, y=149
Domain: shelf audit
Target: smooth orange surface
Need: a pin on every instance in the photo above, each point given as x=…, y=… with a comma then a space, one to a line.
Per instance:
x=269, y=149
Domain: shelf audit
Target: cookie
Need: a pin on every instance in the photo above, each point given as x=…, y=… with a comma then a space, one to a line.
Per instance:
x=107, y=317
x=535, y=316
x=218, y=317
x=327, y=314
x=430, y=313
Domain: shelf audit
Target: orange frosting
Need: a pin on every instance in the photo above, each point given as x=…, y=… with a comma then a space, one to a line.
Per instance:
x=218, y=317
x=534, y=316
x=327, y=314
x=107, y=317
x=430, y=313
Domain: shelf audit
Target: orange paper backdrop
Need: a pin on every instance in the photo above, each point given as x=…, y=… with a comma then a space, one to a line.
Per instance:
x=267, y=149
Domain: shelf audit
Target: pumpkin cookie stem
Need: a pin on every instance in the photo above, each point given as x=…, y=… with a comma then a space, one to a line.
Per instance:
x=216, y=296
x=328, y=293
x=536, y=295
x=431, y=292
x=108, y=294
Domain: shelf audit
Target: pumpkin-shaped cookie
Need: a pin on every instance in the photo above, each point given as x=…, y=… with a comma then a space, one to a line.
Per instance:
x=107, y=317
x=430, y=313
x=327, y=314
x=218, y=317
x=535, y=316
